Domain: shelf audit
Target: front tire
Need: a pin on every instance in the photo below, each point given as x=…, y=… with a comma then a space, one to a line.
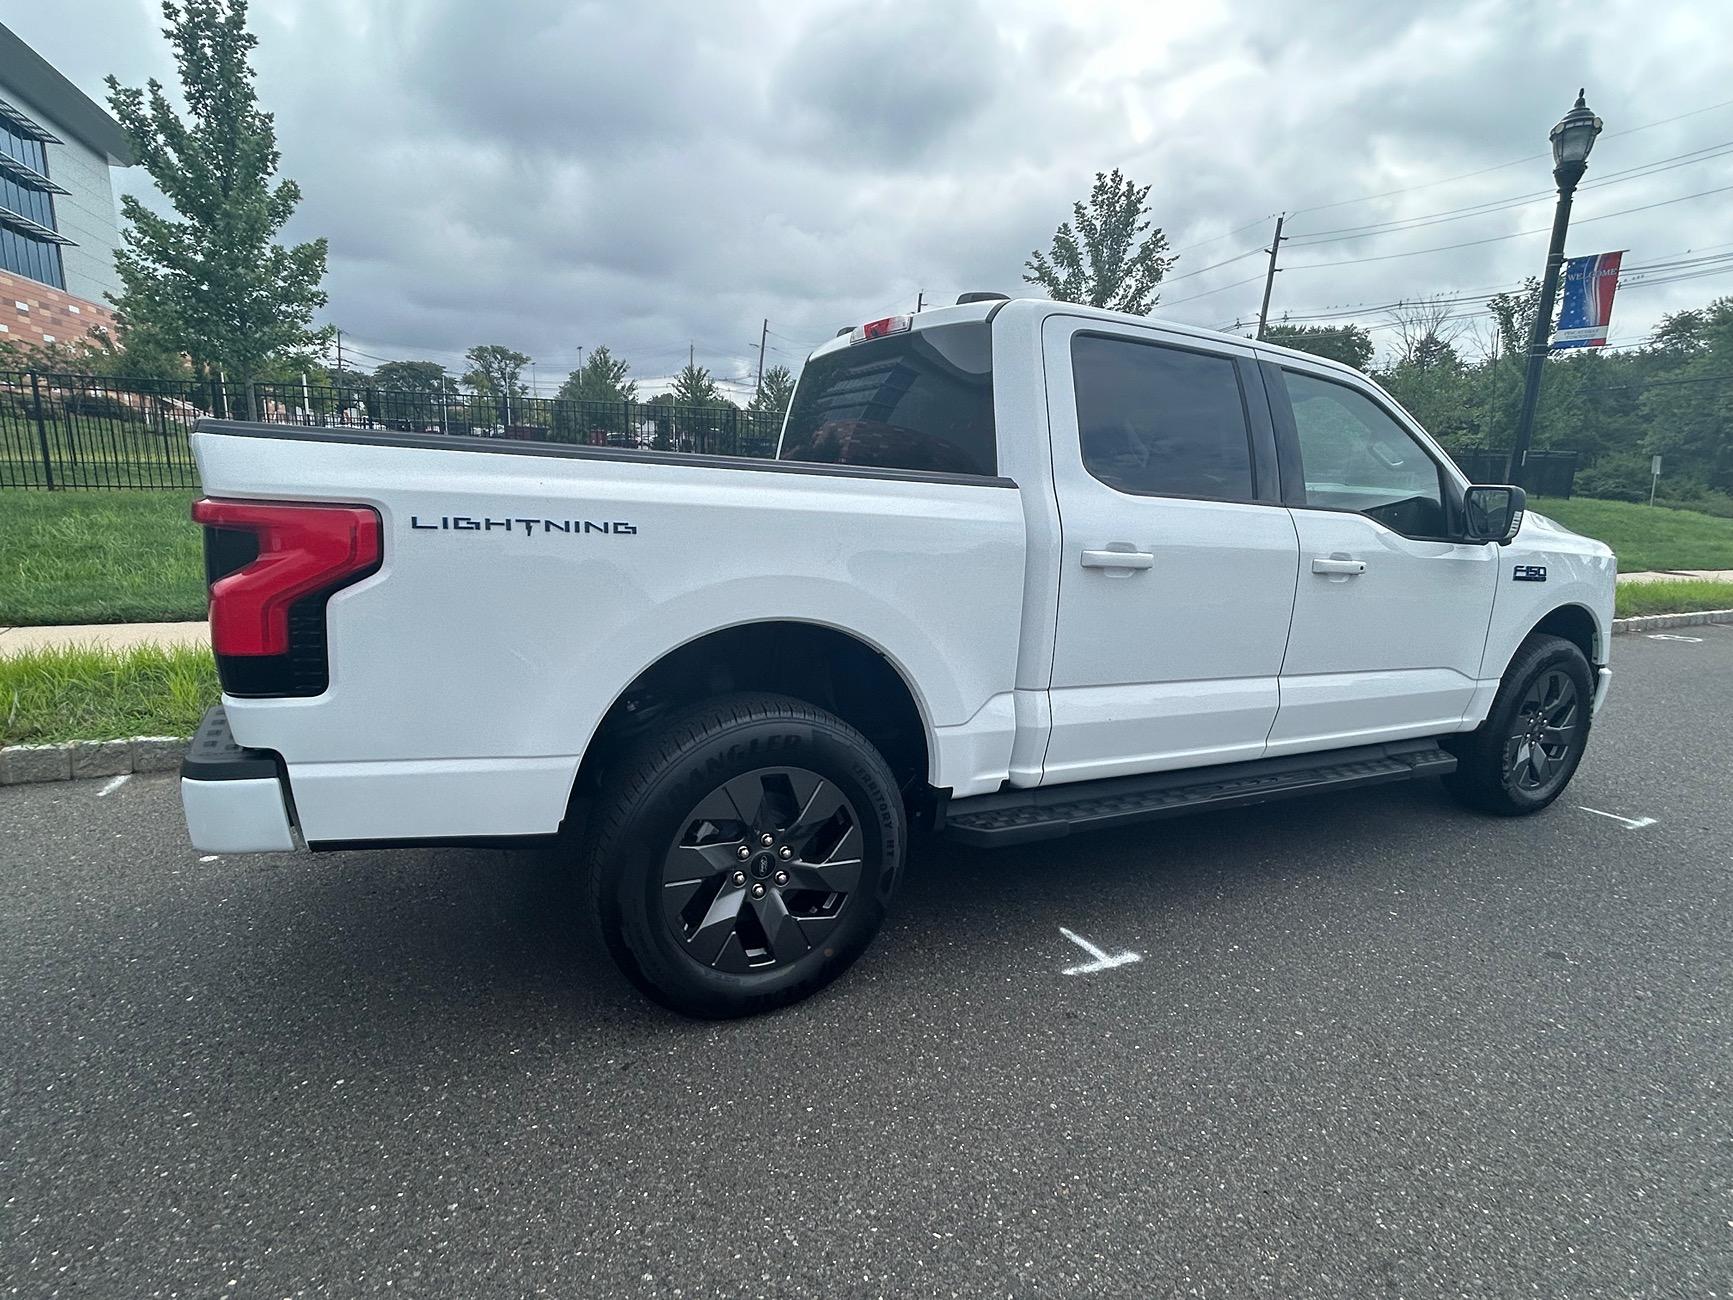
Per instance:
x=1525, y=753
x=744, y=855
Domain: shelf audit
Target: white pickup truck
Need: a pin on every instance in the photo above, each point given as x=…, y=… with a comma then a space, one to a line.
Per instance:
x=1019, y=568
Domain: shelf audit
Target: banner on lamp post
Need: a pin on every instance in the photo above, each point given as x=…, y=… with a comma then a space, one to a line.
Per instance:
x=1590, y=283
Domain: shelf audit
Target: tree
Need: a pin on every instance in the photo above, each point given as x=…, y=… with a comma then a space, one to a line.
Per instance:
x=594, y=400
x=1515, y=313
x=602, y=378
x=694, y=387
x=215, y=283
x=410, y=395
x=1425, y=331
x=421, y=378
x=1100, y=260
x=774, y=394
x=1349, y=344
x=494, y=370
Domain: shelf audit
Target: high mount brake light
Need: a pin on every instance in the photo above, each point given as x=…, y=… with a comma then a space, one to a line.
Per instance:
x=878, y=329
x=303, y=549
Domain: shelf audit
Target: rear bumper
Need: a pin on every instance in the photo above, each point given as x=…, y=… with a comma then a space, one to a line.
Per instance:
x=234, y=798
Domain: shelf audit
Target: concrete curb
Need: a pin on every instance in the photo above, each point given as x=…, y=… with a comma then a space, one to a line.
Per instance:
x=77, y=760
x=1655, y=622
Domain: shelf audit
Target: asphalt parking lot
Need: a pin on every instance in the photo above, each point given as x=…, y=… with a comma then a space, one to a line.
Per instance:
x=1373, y=1046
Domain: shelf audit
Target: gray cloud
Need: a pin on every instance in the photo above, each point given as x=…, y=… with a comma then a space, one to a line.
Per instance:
x=550, y=175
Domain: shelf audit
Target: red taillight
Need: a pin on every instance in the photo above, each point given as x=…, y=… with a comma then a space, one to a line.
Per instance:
x=878, y=329
x=302, y=549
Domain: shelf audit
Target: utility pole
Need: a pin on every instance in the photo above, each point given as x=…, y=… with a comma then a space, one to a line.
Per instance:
x=691, y=361
x=763, y=338
x=1270, y=277
x=920, y=298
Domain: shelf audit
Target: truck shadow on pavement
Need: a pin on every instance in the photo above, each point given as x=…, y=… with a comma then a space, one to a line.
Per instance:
x=457, y=934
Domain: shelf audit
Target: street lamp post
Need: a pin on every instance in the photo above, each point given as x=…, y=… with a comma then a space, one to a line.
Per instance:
x=1572, y=139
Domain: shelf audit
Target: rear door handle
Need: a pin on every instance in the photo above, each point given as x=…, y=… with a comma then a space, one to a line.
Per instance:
x=1339, y=564
x=1118, y=560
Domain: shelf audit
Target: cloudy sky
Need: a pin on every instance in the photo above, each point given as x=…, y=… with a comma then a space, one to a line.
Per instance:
x=552, y=174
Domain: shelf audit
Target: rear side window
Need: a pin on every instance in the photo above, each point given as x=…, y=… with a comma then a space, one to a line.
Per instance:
x=1161, y=421
x=921, y=400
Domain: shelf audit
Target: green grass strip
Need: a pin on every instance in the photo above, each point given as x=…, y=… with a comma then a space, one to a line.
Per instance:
x=1647, y=537
x=99, y=557
x=48, y=696
x=1685, y=596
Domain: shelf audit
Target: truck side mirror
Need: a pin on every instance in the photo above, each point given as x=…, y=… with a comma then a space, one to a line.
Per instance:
x=1494, y=514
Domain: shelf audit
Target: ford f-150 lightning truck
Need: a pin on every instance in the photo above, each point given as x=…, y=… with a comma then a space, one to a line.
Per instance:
x=1019, y=568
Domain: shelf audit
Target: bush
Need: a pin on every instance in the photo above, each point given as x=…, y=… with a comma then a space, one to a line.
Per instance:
x=1619, y=477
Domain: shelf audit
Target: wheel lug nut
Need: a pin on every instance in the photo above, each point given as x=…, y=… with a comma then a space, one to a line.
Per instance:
x=743, y=853
x=739, y=877
x=785, y=853
x=758, y=891
x=767, y=840
x=781, y=877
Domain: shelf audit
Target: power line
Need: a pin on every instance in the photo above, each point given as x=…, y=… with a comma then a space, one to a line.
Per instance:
x=1240, y=257
x=1482, y=171
x=1396, y=226
x=1518, y=234
x=1207, y=292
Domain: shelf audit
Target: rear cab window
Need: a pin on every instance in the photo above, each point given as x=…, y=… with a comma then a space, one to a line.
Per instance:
x=921, y=400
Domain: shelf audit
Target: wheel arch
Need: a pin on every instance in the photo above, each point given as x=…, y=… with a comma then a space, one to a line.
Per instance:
x=833, y=668
x=1576, y=624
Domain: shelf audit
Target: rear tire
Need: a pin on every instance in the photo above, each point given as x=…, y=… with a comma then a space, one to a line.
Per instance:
x=744, y=854
x=1525, y=753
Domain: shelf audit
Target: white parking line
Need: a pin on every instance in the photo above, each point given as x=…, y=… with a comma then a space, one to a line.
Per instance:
x=1629, y=823
x=1103, y=960
x=114, y=784
x=1668, y=636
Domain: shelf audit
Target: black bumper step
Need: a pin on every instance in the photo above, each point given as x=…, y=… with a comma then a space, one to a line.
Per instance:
x=1045, y=813
x=214, y=755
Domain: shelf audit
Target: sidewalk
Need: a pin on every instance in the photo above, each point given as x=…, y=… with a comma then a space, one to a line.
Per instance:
x=109, y=636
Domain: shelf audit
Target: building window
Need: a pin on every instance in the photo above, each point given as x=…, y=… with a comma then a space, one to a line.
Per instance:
x=29, y=233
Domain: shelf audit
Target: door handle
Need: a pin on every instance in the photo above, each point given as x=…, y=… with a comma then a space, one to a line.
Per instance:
x=1339, y=564
x=1118, y=560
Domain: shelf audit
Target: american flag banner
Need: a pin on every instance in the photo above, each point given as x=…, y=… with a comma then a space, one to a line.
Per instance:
x=1588, y=307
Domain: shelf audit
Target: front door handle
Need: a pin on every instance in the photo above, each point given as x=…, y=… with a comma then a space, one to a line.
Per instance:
x=1339, y=564
x=1118, y=560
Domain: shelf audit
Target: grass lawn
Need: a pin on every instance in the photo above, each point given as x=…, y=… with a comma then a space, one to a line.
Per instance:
x=1647, y=537
x=55, y=695
x=1680, y=597
x=99, y=557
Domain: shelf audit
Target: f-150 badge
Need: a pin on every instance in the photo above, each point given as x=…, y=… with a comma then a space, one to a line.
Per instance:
x=1529, y=573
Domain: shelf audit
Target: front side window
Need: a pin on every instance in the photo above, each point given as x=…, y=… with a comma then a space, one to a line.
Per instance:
x=1161, y=421
x=1354, y=456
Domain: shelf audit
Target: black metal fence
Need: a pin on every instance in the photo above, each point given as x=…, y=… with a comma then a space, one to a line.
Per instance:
x=77, y=431
x=80, y=431
x=1546, y=473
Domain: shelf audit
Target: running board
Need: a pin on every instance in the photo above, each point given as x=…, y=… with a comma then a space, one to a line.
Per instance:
x=1048, y=812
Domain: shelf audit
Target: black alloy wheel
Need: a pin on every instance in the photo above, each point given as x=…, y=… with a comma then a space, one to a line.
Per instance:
x=742, y=855
x=1521, y=758
x=762, y=870
x=1543, y=732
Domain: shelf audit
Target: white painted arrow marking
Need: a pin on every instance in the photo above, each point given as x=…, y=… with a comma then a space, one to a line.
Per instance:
x=1629, y=823
x=1103, y=959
